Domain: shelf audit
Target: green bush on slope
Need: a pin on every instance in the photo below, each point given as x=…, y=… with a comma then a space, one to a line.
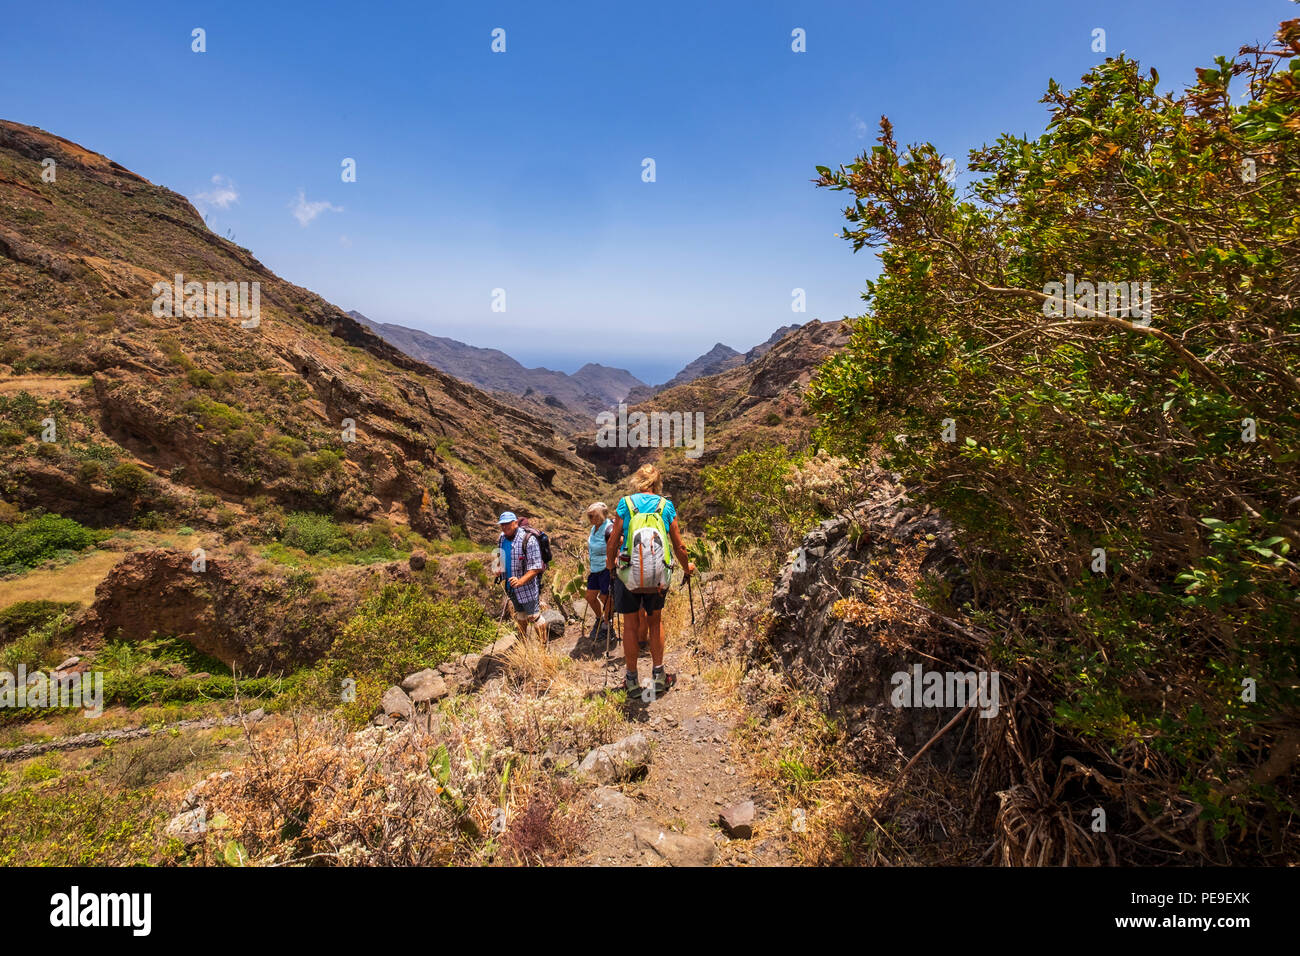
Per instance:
x=1096, y=432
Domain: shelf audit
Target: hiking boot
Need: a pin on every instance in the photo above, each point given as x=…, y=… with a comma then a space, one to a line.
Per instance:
x=662, y=680
x=631, y=684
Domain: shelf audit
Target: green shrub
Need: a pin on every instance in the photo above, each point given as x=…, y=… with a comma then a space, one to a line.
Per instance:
x=313, y=533
x=215, y=415
x=160, y=671
x=89, y=472
x=28, y=543
x=753, y=501
x=172, y=349
x=152, y=521
x=159, y=655
x=200, y=377
x=1053, y=440
x=287, y=445
x=38, y=771
x=323, y=463
x=72, y=824
x=132, y=690
x=401, y=630
x=17, y=619
x=32, y=649
x=22, y=408
x=129, y=479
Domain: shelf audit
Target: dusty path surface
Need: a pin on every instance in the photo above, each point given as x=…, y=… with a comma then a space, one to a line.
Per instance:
x=671, y=816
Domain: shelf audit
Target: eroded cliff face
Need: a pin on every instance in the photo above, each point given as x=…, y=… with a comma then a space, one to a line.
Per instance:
x=848, y=618
x=253, y=615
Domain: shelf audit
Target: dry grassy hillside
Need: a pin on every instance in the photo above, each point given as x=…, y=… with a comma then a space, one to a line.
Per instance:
x=202, y=419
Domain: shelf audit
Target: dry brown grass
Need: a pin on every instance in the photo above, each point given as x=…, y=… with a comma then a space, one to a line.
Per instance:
x=475, y=785
x=531, y=667
x=71, y=582
x=43, y=386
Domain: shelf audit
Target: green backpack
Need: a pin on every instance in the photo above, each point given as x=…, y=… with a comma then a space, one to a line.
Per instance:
x=646, y=565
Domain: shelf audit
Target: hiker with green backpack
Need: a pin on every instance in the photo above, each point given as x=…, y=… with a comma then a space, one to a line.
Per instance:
x=645, y=523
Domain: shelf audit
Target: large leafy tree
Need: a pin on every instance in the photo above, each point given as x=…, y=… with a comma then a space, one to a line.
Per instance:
x=1163, y=686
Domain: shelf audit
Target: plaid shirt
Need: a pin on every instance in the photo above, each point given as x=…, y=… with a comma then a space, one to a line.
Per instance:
x=527, y=558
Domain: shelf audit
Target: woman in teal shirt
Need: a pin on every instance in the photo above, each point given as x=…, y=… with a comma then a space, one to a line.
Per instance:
x=598, y=580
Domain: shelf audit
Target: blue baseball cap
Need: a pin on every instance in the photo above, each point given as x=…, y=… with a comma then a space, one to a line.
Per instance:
x=507, y=517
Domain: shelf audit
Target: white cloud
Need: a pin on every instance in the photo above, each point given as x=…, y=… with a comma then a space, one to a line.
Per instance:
x=222, y=195
x=860, y=127
x=305, y=211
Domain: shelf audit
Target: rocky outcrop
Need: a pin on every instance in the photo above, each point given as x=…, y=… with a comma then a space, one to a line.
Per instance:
x=41, y=484
x=250, y=614
x=13, y=247
x=848, y=617
x=413, y=700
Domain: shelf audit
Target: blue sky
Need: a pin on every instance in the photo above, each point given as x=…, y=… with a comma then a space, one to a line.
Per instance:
x=523, y=170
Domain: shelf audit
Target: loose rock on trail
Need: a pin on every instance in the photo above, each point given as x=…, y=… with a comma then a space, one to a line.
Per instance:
x=668, y=814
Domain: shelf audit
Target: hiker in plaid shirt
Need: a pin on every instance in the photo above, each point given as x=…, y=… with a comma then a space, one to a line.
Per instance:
x=522, y=559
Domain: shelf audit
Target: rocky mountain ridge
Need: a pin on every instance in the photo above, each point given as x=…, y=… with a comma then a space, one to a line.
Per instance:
x=587, y=391
x=721, y=358
x=198, y=415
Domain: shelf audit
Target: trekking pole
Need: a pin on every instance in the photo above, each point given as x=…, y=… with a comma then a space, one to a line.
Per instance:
x=690, y=594
x=609, y=631
x=616, y=631
x=616, y=627
x=695, y=635
x=604, y=665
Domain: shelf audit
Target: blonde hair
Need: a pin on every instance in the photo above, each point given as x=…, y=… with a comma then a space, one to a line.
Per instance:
x=598, y=507
x=648, y=480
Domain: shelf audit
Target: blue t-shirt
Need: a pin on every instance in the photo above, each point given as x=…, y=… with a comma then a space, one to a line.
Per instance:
x=644, y=502
x=505, y=556
x=596, y=549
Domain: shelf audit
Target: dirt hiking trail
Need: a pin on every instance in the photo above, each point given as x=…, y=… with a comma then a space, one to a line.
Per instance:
x=671, y=815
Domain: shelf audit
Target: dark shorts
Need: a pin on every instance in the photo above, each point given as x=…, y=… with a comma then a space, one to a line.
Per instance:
x=529, y=608
x=625, y=602
x=598, y=581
